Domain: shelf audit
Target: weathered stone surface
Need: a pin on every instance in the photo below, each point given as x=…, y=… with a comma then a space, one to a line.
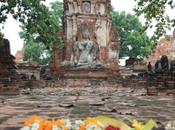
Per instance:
x=97, y=103
x=66, y=104
x=120, y=103
x=107, y=110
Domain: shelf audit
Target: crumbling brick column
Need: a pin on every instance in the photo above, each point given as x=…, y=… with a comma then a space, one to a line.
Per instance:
x=57, y=58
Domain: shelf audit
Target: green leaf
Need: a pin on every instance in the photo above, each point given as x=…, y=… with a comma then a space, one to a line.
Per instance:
x=106, y=121
x=150, y=125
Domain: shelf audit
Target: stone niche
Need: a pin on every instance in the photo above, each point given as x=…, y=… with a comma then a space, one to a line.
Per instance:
x=90, y=41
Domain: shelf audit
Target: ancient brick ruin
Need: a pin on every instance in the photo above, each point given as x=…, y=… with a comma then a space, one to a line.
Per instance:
x=165, y=46
x=90, y=41
x=161, y=68
x=160, y=50
x=19, y=56
x=7, y=64
x=90, y=54
x=7, y=70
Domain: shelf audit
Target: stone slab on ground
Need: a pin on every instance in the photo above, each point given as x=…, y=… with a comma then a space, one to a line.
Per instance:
x=117, y=102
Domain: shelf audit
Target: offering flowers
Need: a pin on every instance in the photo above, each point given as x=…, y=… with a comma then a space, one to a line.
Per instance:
x=37, y=123
x=111, y=128
x=140, y=126
x=96, y=123
x=91, y=124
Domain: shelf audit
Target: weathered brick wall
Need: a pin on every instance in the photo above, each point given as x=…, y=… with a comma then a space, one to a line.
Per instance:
x=19, y=56
x=6, y=59
x=164, y=47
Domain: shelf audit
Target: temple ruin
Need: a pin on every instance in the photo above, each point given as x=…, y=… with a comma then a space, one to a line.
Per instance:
x=7, y=63
x=90, y=41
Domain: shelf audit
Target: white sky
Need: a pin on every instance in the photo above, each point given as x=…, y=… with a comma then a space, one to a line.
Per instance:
x=12, y=27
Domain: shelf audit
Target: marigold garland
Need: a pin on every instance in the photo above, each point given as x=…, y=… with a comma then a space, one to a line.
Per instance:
x=37, y=123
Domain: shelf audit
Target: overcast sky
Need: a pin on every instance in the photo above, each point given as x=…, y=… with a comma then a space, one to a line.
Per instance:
x=12, y=27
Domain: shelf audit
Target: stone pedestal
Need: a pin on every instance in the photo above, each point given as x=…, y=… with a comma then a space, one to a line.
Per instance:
x=86, y=73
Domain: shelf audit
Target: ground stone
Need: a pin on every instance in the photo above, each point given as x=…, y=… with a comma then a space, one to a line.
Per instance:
x=120, y=104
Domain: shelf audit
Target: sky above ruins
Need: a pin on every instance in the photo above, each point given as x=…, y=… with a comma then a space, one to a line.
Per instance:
x=12, y=28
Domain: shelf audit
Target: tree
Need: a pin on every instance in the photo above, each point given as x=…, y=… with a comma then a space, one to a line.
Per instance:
x=134, y=42
x=37, y=22
x=154, y=11
x=39, y=45
x=36, y=53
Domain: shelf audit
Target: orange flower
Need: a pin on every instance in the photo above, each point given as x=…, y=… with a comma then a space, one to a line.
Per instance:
x=59, y=124
x=43, y=124
x=32, y=120
x=48, y=125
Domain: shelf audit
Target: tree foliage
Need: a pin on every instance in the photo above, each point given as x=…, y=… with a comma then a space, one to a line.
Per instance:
x=36, y=53
x=42, y=47
x=134, y=43
x=154, y=12
x=37, y=20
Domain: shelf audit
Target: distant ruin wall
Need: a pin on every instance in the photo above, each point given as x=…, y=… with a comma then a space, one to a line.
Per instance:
x=6, y=59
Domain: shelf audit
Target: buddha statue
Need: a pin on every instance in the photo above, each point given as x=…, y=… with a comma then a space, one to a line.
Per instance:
x=85, y=51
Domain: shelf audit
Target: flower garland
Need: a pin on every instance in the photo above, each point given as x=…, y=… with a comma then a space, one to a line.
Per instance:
x=37, y=123
x=96, y=123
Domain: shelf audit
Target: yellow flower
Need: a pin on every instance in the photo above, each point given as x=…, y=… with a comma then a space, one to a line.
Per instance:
x=90, y=121
x=137, y=125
